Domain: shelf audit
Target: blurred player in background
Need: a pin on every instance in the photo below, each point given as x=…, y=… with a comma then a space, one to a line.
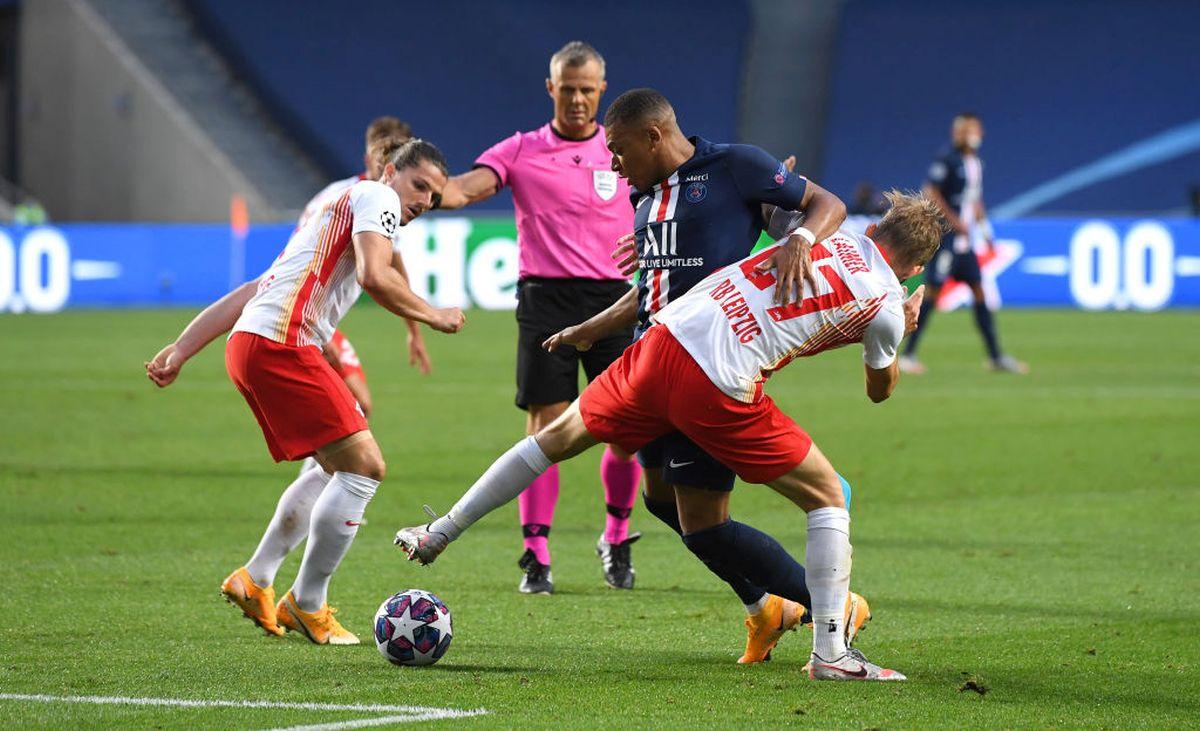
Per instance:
x=302, y=406
x=701, y=368
x=701, y=206
x=956, y=184
x=570, y=208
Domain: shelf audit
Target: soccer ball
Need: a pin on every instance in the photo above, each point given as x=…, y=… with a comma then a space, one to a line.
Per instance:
x=413, y=628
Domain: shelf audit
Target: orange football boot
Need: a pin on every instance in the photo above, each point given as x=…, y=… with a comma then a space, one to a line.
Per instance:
x=858, y=613
x=764, y=629
x=257, y=603
x=320, y=627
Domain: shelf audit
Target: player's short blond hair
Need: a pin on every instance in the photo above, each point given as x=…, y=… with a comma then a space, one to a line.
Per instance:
x=383, y=127
x=913, y=227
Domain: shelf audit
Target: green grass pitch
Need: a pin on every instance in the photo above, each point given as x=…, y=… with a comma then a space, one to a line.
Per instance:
x=1034, y=538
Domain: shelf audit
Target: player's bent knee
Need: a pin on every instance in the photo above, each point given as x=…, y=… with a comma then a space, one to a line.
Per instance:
x=656, y=488
x=621, y=454
x=811, y=493
x=375, y=469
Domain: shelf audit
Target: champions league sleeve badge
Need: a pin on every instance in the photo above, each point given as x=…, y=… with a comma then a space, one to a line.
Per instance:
x=605, y=183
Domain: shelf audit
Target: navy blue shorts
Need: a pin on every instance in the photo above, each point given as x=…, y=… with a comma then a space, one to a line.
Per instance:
x=947, y=263
x=684, y=463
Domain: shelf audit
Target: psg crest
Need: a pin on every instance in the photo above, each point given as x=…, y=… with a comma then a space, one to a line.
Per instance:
x=605, y=183
x=695, y=192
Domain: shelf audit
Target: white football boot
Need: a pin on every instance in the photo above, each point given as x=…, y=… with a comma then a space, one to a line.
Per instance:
x=420, y=543
x=851, y=666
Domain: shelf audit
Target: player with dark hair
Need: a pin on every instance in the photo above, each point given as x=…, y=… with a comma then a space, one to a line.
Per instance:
x=281, y=321
x=955, y=183
x=701, y=206
x=570, y=208
x=700, y=369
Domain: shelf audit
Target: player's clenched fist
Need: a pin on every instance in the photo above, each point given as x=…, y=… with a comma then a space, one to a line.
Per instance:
x=448, y=320
x=912, y=309
x=164, y=368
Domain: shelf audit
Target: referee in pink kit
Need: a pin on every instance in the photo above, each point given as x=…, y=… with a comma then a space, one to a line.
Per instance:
x=570, y=209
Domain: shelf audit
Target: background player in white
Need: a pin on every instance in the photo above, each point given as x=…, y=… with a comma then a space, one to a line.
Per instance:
x=701, y=368
x=301, y=404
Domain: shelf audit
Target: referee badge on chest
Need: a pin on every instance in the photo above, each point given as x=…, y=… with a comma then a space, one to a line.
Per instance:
x=605, y=183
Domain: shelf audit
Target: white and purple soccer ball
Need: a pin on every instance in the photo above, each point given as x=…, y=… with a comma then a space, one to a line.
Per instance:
x=413, y=628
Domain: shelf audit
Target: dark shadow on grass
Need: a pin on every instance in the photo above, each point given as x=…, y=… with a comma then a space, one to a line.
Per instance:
x=1008, y=608
x=604, y=591
x=485, y=669
x=1166, y=691
x=958, y=545
x=24, y=470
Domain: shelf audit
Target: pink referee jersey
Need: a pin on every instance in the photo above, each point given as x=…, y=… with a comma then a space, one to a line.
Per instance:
x=571, y=206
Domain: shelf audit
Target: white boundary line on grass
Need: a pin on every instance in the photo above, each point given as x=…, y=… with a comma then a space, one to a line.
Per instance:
x=412, y=713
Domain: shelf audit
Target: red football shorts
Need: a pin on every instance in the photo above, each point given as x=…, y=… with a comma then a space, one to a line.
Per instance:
x=299, y=401
x=348, y=363
x=656, y=387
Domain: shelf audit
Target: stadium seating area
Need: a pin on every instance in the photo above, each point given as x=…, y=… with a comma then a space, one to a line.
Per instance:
x=1062, y=84
x=424, y=64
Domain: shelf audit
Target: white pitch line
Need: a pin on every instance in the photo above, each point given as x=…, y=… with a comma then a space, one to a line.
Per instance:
x=381, y=721
x=417, y=713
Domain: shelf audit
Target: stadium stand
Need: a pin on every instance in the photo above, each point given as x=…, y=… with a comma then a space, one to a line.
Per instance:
x=1052, y=102
x=463, y=85
x=162, y=34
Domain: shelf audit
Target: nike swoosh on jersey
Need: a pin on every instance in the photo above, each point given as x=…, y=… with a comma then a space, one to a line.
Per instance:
x=674, y=465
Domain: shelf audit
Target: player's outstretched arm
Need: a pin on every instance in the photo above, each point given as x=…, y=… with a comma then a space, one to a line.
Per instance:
x=384, y=283
x=823, y=211
x=620, y=315
x=417, y=355
x=470, y=187
x=216, y=319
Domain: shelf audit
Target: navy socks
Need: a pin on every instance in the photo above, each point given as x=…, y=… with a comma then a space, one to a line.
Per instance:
x=739, y=553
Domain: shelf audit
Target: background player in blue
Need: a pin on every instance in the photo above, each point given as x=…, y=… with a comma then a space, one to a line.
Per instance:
x=700, y=206
x=955, y=183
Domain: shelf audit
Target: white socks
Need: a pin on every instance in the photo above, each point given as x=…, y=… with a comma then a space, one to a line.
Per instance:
x=288, y=527
x=827, y=561
x=757, y=606
x=335, y=520
x=504, y=480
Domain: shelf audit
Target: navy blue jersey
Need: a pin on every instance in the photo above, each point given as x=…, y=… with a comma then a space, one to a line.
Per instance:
x=958, y=177
x=707, y=215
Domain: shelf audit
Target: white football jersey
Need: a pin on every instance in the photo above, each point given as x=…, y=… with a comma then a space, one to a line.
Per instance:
x=325, y=196
x=308, y=289
x=731, y=326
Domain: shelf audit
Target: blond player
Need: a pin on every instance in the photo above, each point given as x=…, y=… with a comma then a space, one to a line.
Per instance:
x=274, y=358
x=700, y=369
